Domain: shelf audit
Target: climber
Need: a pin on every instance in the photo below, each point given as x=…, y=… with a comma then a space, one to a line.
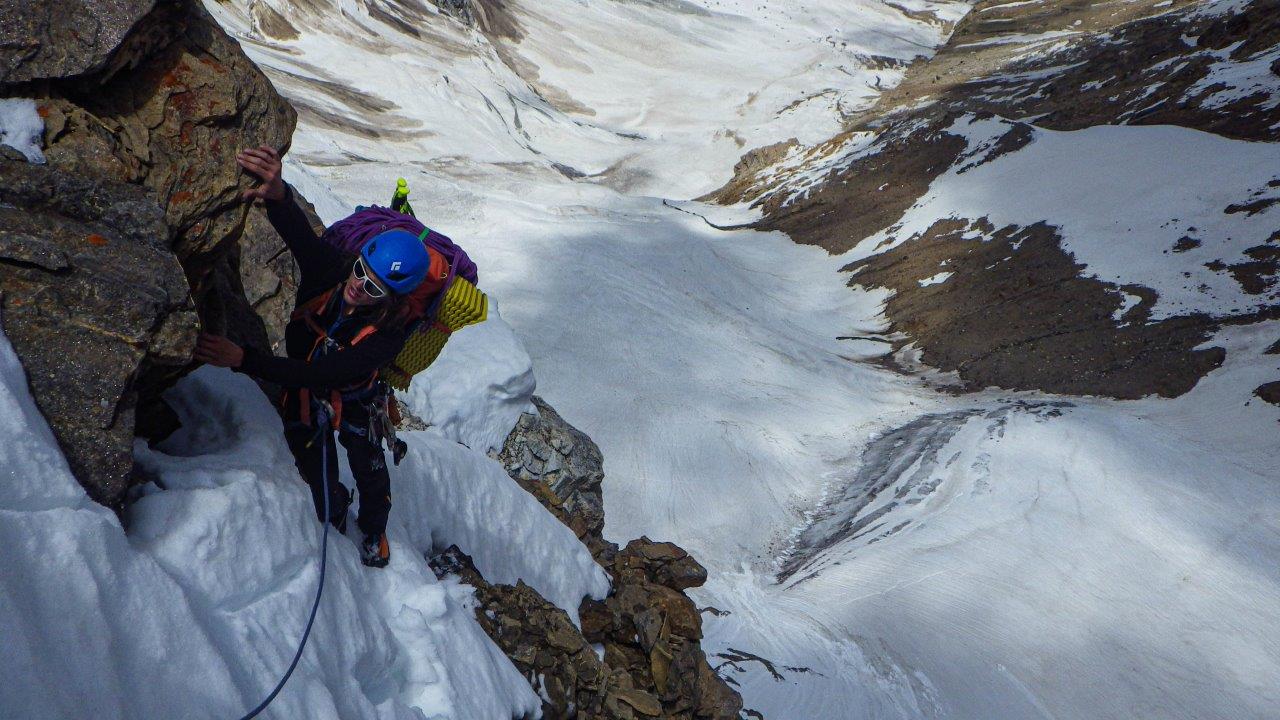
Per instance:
x=349, y=320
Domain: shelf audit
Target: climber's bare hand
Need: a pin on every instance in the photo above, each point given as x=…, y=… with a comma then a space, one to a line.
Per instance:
x=218, y=351
x=264, y=162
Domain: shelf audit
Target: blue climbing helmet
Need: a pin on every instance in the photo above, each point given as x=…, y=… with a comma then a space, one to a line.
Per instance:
x=398, y=258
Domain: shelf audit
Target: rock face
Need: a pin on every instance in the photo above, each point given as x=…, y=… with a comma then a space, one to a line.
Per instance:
x=638, y=653
x=160, y=99
x=1018, y=311
x=652, y=629
x=266, y=273
x=560, y=466
x=48, y=40
x=92, y=296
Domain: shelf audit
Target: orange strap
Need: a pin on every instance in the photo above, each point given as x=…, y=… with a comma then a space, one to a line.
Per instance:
x=312, y=306
x=365, y=332
x=335, y=400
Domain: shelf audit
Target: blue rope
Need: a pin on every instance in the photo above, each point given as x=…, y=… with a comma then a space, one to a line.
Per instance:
x=324, y=553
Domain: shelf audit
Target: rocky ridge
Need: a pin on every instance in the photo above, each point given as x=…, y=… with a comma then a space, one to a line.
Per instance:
x=1017, y=311
x=637, y=654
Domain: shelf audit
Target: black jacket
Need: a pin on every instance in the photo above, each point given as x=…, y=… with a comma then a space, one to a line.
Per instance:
x=322, y=267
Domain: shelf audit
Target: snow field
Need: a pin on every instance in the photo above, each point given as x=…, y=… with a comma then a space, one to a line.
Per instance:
x=586, y=87
x=1113, y=557
x=216, y=575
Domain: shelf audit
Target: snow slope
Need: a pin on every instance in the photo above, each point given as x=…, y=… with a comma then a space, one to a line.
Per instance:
x=216, y=574
x=576, y=263
x=1079, y=558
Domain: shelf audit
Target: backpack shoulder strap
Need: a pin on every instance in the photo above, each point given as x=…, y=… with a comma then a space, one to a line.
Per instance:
x=313, y=306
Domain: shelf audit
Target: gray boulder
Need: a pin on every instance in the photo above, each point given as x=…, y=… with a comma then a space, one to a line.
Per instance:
x=92, y=298
x=45, y=40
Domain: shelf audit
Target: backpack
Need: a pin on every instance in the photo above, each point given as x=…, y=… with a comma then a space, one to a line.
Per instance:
x=436, y=309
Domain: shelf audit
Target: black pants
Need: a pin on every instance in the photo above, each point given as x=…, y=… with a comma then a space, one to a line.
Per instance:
x=368, y=466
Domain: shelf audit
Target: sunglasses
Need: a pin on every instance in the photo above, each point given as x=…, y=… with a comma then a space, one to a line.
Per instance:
x=367, y=281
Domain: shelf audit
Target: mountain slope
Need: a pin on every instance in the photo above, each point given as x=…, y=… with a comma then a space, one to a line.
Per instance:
x=1020, y=553
x=1078, y=199
x=1065, y=254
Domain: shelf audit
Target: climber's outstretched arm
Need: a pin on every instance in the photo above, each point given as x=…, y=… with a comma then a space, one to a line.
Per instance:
x=317, y=260
x=333, y=370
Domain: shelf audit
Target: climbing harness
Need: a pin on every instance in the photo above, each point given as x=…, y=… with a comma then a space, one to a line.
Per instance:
x=323, y=436
x=309, y=312
x=372, y=393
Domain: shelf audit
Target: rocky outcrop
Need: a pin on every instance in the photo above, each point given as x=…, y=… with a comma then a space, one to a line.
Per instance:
x=560, y=466
x=1017, y=310
x=146, y=112
x=48, y=39
x=92, y=296
x=650, y=628
x=638, y=652
x=542, y=642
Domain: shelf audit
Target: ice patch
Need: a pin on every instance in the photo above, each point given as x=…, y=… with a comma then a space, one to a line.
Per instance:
x=935, y=279
x=22, y=128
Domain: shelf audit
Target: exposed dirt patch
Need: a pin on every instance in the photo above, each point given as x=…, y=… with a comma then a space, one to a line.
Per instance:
x=1257, y=275
x=1252, y=208
x=272, y=23
x=528, y=71
x=491, y=17
x=1185, y=243
x=361, y=102
x=837, y=215
x=1016, y=313
x=1269, y=392
x=392, y=130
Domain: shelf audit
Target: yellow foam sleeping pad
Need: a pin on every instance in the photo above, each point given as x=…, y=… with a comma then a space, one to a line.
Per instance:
x=463, y=304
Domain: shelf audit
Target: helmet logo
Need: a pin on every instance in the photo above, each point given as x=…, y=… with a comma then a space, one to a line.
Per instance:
x=395, y=266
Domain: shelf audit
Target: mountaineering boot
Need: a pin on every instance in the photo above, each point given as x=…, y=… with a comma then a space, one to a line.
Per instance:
x=374, y=551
